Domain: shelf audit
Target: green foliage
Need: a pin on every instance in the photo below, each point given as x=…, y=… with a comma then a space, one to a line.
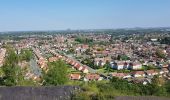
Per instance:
x=118, y=87
x=12, y=58
x=10, y=75
x=26, y=54
x=167, y=86
x=148, y=67
x=107, y=66
x=83, y=40
x=13, y=74
x=81, y=96
x=165, y=40
x=71, y=50
x=124, y=71
x=100, y=49
x=138, y=89
x=10, y=68
x=88, y=52
x=56, y=75
x=90, y=63
x=122, y=57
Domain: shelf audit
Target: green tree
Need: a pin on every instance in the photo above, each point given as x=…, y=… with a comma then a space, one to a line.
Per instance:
x=26, y=54
x=13, y=74
x=56, y=75
x=10, y=68
x=107, y=66
x=165, y=40
x=124, y=57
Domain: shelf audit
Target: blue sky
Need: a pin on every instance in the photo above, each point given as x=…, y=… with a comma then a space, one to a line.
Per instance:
x=19, y=15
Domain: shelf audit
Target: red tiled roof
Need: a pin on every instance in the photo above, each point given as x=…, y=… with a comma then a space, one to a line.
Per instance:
x=51, y=59
x=138, y=72
x=151, y=71
x=92, y=76
x=75, y=76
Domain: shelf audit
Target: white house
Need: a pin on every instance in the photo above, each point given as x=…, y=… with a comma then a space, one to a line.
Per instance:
x=135, y=65
x=99, y=61
x=119, y=65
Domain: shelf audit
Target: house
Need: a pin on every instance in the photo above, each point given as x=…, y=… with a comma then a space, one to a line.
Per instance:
x=144, y=81
x=84, y=47
x=81, y=48
x=101, y=61
x=138, y=73
x=92, y=77
x=52, y=59
x=126, y=65
x=74, y=76
x=66, y=59
x=120, y=75
x=2, y=56
x=73, y=63
x=165, y=66
x=84, y=69
x=42, y=62
x=151, y=72
x=119, y=65
x=164, y=70
x=70, y=62
x=135, y=65
x=60, y=56
x=78, y=66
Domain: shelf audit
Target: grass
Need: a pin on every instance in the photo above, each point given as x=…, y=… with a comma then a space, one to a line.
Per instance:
x=101, y=90
x=102, y=70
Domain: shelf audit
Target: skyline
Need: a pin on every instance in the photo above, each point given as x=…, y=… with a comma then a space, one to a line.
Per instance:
x=90, y=14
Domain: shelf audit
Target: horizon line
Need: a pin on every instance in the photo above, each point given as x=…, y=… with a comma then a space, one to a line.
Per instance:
x=69, y=29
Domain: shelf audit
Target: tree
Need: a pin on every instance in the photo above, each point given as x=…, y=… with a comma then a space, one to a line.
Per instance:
x=118, y=57
x=10, y=68
x=107, y=66
x=13, y=74
x=10, y=75
x=56, y=75
x=88, y=52
x=165, y=40
x=26, y=54
x=84, y=40
x=124, y=57
x=167, y=86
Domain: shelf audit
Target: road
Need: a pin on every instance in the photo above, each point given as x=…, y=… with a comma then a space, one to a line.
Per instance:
x=34, y=67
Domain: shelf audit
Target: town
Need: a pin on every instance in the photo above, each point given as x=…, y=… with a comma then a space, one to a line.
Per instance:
x=84, y=50
x=95, y=60
x=96, y=56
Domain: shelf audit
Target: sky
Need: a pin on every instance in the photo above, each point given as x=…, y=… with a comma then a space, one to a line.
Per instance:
x=29, y=15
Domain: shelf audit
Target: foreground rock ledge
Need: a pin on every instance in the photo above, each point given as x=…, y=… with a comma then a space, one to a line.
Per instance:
x=37, y=93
